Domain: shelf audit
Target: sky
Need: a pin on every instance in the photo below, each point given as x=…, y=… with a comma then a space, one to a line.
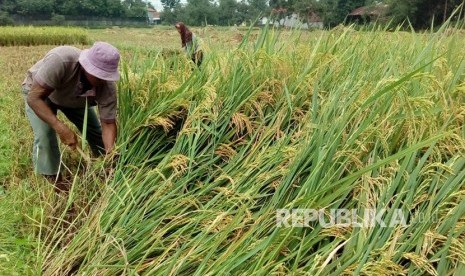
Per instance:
x=157, y=4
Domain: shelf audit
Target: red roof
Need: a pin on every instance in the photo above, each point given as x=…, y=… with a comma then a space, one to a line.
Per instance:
x=370, y=10
x=279, y=10
x=313, y=17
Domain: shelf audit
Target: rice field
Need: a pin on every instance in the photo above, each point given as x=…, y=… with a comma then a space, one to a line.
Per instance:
x=207, y=159
x=30, y=36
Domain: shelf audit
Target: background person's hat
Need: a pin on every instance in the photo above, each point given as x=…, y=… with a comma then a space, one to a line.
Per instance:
x=101, y=61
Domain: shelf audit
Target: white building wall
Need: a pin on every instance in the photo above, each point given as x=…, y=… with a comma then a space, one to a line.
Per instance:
x=292, y=21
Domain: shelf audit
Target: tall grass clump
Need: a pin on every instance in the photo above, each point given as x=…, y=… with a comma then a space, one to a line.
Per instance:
x=32, y=36
x=342, y=119
x=16, y=250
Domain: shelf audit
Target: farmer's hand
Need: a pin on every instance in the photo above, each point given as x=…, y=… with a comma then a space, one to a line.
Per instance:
x=67, y=136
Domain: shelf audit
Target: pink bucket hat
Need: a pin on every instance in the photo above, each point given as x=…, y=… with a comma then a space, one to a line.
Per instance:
x=101, y=61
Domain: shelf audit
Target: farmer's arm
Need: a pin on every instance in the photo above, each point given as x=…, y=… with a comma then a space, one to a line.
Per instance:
x=36, y=100
x=107, y=105
x=108, y=135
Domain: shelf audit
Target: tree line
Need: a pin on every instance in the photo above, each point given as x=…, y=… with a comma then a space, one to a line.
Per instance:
x=126, y=9
x=419, y=13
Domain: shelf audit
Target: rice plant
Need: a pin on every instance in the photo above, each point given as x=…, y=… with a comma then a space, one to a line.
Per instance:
x=289, y=120
x=31, y=36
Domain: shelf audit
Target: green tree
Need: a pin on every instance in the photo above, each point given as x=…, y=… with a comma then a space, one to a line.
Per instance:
x=135, y=8
x=82, y=7
x=201, y=12
x=336, y=11
x=243, y=12
x=422, y=13
x=34, y=7
x=68, y=7
x=227, y=12
x=176, y=14
x=257, y=8
x=114, y=8
x=5, y=19
x=108, y=8
x=8, y=6
x=305, y=7
x=276, y=4
x=169, y=5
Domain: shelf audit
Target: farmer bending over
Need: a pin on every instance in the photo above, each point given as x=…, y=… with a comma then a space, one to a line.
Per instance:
x=190, y=43
x=65, y=79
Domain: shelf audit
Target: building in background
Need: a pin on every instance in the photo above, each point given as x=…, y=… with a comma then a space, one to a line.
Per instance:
x=153, y=16
x=369, y=14
x=311, y=21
